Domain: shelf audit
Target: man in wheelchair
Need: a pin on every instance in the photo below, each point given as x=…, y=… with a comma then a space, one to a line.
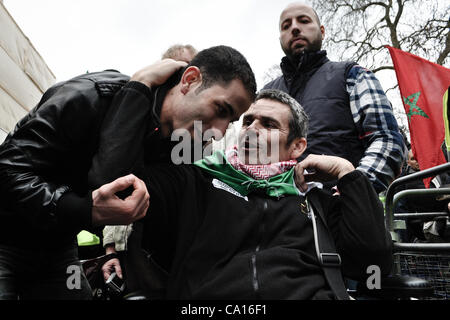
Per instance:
x=235, y=226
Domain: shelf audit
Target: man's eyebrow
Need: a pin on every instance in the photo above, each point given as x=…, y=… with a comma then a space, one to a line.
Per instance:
x=304, y=16
x=284, y=21
x=265, y=118
x=296, y=17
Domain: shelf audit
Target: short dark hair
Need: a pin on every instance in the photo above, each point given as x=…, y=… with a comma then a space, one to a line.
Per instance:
x=298, y=121
x=223, y=64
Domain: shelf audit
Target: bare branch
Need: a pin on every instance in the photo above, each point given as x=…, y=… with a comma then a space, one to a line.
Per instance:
x=383, y=68
x=364, y=8
x=392, y=26
x=399, y=13
x=357, y=29
x=392, y=88
x=446, y=51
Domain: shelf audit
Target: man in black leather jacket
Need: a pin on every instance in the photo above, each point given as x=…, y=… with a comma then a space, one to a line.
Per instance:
x=50, y=163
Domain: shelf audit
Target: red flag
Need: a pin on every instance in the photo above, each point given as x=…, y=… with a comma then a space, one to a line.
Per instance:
x=422, y=87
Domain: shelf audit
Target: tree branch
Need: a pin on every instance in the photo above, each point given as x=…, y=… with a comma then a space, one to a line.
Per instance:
x=446, y=51
x=392, y=88
x=382, y=68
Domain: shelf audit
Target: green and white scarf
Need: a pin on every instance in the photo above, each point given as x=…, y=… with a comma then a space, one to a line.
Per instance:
x=277, y=186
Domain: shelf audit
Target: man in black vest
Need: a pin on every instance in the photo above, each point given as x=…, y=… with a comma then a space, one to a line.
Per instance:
x=350, y=115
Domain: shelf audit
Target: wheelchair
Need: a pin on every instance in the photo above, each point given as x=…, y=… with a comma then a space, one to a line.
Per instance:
x=421, y=269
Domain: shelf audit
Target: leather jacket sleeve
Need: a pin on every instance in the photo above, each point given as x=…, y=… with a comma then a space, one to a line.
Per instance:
x=30, y=186
x=121, y=140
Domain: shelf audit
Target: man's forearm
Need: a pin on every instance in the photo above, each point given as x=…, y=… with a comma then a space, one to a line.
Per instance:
x=377, y=126
x=359, y=228
x=382, y=159
x=43, y=204
x=122, y=135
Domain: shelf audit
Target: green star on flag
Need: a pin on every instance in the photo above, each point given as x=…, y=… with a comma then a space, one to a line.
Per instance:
x=414, y=109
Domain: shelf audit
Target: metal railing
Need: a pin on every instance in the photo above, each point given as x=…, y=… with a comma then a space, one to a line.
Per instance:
x=392, y=197
x=430, y=261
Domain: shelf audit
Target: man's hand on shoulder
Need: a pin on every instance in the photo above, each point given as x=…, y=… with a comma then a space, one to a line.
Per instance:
x=321, y=168
x=158, y=73
x=109, y=209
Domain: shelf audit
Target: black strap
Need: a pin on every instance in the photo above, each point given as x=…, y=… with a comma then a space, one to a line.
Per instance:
x=329, y=259
x=144, y=274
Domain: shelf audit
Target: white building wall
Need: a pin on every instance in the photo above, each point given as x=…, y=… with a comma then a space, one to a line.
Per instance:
x=24, y=75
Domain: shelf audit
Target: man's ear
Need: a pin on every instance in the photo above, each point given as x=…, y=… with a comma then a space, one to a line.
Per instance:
x=322, y=30
x=298, y=146
x=191, y=77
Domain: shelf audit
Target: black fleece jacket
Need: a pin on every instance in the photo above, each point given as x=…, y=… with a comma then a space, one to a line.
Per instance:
x=218, y=245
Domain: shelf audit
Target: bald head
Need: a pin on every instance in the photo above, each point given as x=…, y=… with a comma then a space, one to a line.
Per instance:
x=300, y=5
x=180, y=52
x=300, y=30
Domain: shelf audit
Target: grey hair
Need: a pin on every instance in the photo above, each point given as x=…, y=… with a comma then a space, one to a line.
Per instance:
x=176, y=50
x=298, y=122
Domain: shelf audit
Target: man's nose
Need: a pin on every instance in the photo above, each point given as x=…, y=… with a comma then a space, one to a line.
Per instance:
x=254, y=127
x=295, y=28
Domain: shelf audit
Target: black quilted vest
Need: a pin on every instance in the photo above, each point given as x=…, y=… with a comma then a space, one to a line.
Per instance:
x=319, y=85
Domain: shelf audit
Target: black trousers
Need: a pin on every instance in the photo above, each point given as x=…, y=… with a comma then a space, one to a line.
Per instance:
x=42, y=274
x=141, y=272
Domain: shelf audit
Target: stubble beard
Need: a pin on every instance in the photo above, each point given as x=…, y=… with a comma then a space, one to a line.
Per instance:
x=294, y=54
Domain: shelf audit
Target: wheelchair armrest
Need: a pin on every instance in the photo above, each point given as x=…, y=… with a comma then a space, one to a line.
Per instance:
x=398, y=287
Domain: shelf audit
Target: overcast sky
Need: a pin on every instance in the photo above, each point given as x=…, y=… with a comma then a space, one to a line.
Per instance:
x=92, y=35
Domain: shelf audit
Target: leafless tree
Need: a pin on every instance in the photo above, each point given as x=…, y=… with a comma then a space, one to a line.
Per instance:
x=272, y=73
x=359, y=29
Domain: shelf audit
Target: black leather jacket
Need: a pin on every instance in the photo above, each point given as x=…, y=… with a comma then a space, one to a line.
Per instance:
x=45, y=195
